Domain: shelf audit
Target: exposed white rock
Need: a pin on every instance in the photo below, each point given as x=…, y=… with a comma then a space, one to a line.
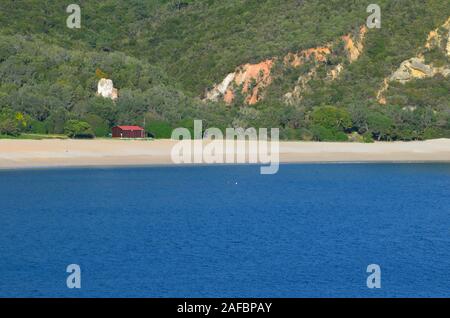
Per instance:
x=300, y=87
x=448, y=44
x=106, y=89
x=335, y=72
x=412, y=68
x=220, y=89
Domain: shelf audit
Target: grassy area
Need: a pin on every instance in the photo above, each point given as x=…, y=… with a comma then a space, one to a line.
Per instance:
x=34, y=136
x=57, y=136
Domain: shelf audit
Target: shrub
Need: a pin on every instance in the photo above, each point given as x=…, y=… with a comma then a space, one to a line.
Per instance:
x=78, y=129
x=321, y=133
x=306, y=135
x=355, y=137
x=9, y=127
x=290, y=134
x=159, y=129
x=380, y=125
x=189, y=125
x=340, y=136
x=368, y=138
x=38, y=127
x=332, y=118
x=99, y=126
x=11, y=123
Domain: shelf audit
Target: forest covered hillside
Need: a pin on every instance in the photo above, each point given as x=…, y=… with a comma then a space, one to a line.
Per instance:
x=310, y=67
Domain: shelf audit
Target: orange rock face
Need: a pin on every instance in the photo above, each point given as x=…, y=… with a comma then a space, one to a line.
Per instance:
x=319, y=54
x=229, y=96
x=253, y=78
x=354, y=49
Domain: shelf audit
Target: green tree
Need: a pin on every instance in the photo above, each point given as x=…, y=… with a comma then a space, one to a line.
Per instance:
x=99, y=125
x=330, y=123
x=56, y=121
x=78, y=129
x=8, y=126
x=380, y=125
x=189, y=125
x=38, y=127
x=321, y=133
x=12, y=123
x=159, y=129
x=104, y=108
x=333, y=118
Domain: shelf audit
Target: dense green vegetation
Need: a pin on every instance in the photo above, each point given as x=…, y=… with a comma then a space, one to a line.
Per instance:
x=163, y=54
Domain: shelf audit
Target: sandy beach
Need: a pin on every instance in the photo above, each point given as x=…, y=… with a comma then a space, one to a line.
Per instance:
x=103, y=152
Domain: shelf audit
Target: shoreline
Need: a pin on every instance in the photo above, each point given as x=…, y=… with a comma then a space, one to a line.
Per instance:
x=104, y=153
x=144, y=166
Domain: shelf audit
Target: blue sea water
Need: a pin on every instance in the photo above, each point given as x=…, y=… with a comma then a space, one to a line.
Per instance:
x=227, y=231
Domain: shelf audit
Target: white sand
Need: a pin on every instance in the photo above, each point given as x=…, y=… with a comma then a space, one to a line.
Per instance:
x=104, y=152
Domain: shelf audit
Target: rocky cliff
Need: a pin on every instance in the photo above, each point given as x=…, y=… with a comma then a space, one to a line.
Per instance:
x=417, y=67
x=251, y=80
x=353, y=48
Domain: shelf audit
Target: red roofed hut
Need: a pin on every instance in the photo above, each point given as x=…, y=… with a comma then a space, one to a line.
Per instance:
x=128, y=132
